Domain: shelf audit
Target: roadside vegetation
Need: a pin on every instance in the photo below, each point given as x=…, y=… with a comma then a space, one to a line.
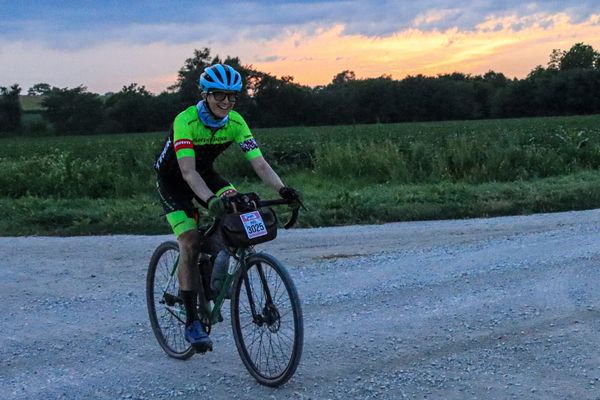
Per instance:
x=568, y=85
x=104, y=184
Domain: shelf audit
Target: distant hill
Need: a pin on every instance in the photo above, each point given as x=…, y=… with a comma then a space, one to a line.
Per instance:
x=31, y=103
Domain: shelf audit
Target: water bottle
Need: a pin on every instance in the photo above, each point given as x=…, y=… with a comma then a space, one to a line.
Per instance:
x=220, y=267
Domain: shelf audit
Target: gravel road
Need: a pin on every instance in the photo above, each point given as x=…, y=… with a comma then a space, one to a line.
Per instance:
x=485, y=308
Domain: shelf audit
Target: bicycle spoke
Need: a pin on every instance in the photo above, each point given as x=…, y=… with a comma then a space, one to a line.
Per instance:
x=248, y=324
x=274, y=354
x=281, y=347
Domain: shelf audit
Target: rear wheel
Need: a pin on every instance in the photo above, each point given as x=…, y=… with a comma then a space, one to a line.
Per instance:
x=266, y=318
x=165, y=306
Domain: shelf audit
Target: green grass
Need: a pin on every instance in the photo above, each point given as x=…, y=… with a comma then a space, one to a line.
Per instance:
x=366, y=202
x=329, y=204
x=348, y=174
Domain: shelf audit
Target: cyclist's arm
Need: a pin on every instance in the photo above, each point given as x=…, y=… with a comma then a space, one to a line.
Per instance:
x=253, y=154
x=266, y=173
x=193, y=178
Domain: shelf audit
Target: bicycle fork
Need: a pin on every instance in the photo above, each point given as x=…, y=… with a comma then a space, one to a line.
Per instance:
x=269, y=313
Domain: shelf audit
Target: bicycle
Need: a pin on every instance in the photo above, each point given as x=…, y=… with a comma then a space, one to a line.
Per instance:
x=266, y=314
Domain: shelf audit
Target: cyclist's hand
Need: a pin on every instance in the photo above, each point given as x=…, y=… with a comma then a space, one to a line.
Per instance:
x=290, y=194
x=217, y=206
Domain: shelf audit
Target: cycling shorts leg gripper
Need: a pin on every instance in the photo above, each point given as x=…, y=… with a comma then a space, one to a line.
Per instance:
x=180, y=222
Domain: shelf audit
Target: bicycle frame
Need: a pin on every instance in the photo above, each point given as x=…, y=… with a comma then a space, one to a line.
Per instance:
x=239, y=255
x=239, y=264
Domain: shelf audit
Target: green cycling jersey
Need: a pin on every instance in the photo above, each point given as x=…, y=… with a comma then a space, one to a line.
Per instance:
x=191, y=138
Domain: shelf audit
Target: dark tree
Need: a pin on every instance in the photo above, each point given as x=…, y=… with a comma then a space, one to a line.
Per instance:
x=555, y=59
x=343, y=77
x=132, y=109
x=189, y=75
x=10, y=108
x=166, y=106
x=278, y=102
x=73, y=110
x=39, y=89
x=579, y=56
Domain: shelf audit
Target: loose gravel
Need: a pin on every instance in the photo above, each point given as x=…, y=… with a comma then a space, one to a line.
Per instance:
x=495, y=308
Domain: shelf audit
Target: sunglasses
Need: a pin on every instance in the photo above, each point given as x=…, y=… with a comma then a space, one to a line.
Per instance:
x=220, y=96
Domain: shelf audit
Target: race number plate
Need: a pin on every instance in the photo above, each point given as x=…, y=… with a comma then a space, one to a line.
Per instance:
x=254, y=225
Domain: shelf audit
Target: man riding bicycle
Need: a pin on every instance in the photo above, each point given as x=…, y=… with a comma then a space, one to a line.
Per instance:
x=185, y=172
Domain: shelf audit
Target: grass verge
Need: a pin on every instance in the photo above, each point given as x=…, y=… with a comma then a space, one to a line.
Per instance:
x=329, y=203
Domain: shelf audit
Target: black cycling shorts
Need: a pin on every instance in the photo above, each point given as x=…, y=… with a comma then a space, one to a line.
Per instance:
x=177, y=199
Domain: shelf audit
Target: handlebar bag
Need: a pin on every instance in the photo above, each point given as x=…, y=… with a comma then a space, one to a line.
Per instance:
x=249, y=228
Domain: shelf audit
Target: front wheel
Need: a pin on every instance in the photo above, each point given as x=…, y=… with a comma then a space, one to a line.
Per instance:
x=165, y=306
x=266, y=319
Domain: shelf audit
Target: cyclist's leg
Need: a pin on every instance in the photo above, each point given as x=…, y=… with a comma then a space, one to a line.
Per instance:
x=215, y=245
x=179, y=209
x=188, y=253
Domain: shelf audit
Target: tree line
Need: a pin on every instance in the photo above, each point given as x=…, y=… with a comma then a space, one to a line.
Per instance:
x=568, y=85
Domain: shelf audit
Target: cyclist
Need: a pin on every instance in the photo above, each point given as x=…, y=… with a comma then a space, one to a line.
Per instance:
x=185, y=171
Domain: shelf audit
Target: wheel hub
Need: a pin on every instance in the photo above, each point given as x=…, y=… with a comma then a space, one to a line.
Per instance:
x=272, y=318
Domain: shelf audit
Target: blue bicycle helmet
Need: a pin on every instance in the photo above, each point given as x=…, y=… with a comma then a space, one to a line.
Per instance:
x=220, y=77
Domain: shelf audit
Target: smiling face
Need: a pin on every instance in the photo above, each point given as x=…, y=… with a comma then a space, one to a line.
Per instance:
x=220, y=103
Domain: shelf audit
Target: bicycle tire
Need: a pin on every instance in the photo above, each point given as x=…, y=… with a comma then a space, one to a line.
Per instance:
x=269, y=331
x=168, y=328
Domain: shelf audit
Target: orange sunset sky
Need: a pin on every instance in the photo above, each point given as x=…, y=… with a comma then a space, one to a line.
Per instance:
x=309, y=40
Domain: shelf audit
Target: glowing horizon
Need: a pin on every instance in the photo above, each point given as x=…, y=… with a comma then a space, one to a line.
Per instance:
x=414, y=52
x=311, y=41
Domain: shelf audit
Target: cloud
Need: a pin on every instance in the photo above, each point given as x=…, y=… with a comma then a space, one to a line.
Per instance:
x=107, y=44
x=268, y=59
x=463, y=15
x=75, y=24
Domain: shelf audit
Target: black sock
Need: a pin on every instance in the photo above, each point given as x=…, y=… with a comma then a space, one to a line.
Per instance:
x=190, y=301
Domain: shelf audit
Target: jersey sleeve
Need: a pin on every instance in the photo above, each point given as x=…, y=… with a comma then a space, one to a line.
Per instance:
x=245, y=140
x=182, y=138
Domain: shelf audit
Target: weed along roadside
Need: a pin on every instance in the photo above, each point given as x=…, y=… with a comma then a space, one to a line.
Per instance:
x=80, y=185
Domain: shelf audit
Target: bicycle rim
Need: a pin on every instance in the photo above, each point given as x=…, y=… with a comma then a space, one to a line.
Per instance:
x=269, y=340
x=166, y=312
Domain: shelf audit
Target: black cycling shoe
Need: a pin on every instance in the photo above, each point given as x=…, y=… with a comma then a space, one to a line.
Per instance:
x=197, y=337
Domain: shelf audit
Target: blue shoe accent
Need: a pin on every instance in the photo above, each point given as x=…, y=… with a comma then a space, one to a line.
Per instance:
x=197, y=337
